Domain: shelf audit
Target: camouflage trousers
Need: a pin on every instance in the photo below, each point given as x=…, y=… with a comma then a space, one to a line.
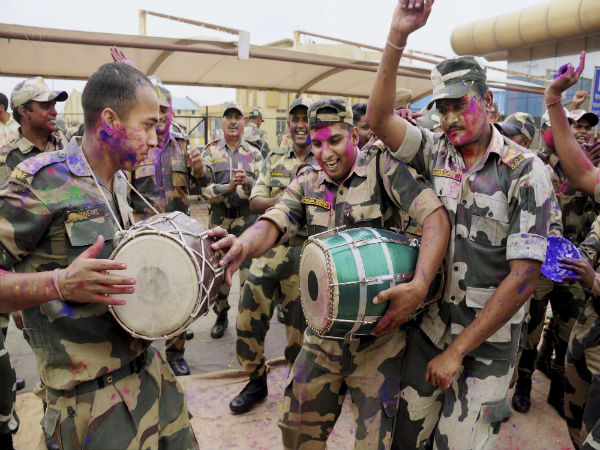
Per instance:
x=582, y=371
x=9, y=421
x=271, y=278
x=567, y=300
x=236, y=227
x=175, y=347
x=468, y=415
x=325, y=369
x=145, y=410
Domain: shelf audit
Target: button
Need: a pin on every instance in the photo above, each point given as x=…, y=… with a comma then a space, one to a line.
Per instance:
x=61, y=154
x=109, y=379
x=453, y=298
x=70, y=411
x=464, y=202
x=456, y=268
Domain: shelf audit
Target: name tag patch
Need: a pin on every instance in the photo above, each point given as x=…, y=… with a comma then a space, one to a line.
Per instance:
x=316, y=202
x=446, y=173
x=86, y=214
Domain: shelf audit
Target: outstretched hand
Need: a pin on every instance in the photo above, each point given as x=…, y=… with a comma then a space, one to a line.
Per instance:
x=88, y=279
x=118, y=56
x=410, y=15
x=566, y=77
x=236, y=251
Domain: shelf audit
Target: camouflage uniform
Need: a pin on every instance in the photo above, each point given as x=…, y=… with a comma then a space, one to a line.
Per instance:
x=8, y=131
x=368, y=366
x=273, y=276
x=163, y=179
x=566, y=298
x=582, y=387
x=499, y=211
x=105, y=389
x=257, y=136
x=229, y=211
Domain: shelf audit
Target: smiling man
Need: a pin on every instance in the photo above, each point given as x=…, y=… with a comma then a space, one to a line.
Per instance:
x=105, y=388
x=348, y=187
x=499, y=199
x=231, y=167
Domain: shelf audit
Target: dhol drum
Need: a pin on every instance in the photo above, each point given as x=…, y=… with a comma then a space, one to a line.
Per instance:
x=340, y=274
x=177, y=275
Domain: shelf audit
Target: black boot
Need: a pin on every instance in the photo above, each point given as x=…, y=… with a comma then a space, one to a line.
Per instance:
x=521, y=400
x=556, y=395
x=254, y=392
x=6, y=442
x=218, y=329
x=20, y=383
x=544, y=356
x=179, y=366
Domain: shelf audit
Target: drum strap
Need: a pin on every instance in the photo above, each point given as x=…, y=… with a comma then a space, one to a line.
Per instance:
x=385, y=199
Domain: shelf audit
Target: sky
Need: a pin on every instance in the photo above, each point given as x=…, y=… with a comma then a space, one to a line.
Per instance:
x=365, y=21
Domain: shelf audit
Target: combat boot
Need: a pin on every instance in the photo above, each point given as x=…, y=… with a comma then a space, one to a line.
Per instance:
x=556, y=395
x=521, y=400
x=254, y=392
x=218, y=329
x=544, y=356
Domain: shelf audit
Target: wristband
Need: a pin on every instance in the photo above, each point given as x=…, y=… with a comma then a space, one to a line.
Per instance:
x=394, y=46
x=553, y=102
x=55, y=275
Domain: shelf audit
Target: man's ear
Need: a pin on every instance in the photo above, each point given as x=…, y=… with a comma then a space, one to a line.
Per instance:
x=109, y=120
x=488, y=98
x=527, y=143
x=354, y=136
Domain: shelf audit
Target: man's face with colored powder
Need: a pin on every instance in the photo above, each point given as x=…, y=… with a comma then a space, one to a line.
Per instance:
x=298, y=123
x=364, y=131
x=334, y=147
x=233, y=124
x=464, y=119
x=165, y=118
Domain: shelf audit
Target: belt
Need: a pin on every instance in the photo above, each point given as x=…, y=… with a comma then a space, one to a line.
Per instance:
x=134, y=366
x=230, y=213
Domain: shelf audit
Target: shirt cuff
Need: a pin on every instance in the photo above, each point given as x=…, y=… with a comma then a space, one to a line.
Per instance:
x=260, y=191
x=526, y=246
x=422, y=206
x=280, y=219
x=410, y=145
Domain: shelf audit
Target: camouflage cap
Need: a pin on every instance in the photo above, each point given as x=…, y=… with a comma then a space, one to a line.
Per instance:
x=34, y=89
x=342, y=112
x=255, y=113
x=546, y=118
x=163, y=94
x=300, y=101
x=403, y=96
x=518, y=123
x=430, y=119
x=452, y=78
x=578, y=114
x=233, y=105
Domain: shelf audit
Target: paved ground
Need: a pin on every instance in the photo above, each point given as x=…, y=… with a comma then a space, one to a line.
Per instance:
x=204, y=354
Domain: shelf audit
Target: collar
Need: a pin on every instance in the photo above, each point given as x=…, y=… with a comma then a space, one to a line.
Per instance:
x=291, y=152
x=25, y=146
x=223, y=144
x=496, y=145
x=76, y=159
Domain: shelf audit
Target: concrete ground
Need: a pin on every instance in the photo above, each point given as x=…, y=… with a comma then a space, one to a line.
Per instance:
x=540, y=428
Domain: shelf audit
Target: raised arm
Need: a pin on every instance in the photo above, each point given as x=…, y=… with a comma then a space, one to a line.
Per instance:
x=409, y=16
x=582, y=174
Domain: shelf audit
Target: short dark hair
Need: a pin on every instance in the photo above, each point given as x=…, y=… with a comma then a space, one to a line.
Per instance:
x=358, y=111
x=27, y=105
x=480, y=88
x=4, y=101
x=113, y=86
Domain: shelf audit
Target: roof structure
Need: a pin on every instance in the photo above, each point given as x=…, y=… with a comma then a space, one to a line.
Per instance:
x=30, y=51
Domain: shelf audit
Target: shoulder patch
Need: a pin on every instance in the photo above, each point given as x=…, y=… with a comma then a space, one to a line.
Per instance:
x=303, y=168
x=4, y=152
x=513, y=157
x=33, y=165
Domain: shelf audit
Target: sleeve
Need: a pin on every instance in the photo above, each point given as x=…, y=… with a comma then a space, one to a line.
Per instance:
x=417, y=149
x=407, y=189
x=262, y=187
x=24, y=219
x=531, y=207
x=257, y=162
x=590, y=247
x=288, y=213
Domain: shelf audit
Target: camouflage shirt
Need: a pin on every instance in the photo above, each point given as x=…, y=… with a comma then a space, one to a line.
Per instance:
x=219, y=160
x=590, y=250
x=278, y=171
x=254, y=134
x=571, y=202
x=499, y=210
x=52, y=211
x=19, y=149
x=365, y=199
x=163, y=180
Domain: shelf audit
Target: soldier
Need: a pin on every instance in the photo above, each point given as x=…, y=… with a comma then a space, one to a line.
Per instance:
x=582, y=371
x=359, y=111
x=460, y=359
x=519, y=127
x=350, y=187
x=9, y=128
x=231, y=167
x=33, y=105
x=566, y=298
x=93, y=370
x=274, y=276
x=253, y=133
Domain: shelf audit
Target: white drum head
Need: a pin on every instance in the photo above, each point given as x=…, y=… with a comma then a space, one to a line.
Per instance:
x=318, y=297
x=166, y=289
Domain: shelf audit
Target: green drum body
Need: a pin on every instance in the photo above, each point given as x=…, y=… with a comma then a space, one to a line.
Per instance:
x=341, y=274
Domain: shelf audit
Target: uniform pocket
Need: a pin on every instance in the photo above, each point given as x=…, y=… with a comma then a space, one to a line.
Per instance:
x=495, y=412
x=489, y=221
x=83, y=233
x=180, y=179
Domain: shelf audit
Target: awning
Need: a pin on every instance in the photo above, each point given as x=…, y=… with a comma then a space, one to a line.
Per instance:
x=65, y=54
